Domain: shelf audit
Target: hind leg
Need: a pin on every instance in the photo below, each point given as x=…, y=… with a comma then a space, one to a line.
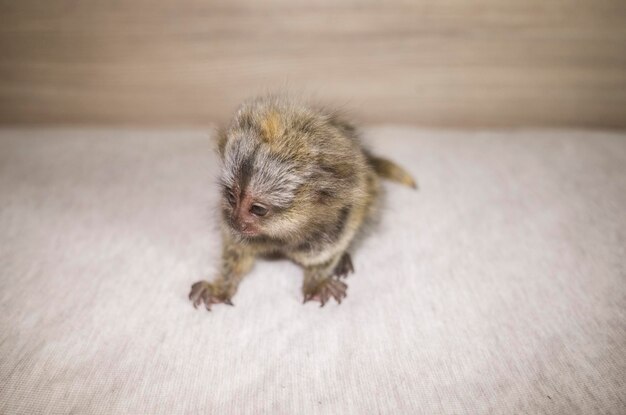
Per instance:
x=321, y=282
x=344, y=266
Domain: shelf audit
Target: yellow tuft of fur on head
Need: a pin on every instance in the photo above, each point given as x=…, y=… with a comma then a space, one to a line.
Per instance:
x=271, y=127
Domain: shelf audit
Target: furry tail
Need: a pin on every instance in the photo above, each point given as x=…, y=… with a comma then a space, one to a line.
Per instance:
x=389, y=170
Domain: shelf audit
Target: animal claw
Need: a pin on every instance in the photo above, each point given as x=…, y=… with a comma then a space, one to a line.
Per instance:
x=325, y=290
x=343, y=267
x=204, y=292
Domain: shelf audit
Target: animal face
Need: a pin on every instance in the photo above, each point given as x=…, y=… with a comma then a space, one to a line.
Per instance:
x=259, y=188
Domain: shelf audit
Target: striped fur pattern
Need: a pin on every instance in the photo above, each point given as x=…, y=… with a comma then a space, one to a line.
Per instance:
x=308, y=167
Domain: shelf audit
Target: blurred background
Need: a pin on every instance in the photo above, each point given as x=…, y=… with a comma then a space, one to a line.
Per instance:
x=432, y=63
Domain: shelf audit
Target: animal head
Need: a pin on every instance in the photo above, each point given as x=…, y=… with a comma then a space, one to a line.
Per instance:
x=263, y=178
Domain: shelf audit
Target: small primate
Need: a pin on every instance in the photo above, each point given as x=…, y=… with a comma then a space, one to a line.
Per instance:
x=296, y=182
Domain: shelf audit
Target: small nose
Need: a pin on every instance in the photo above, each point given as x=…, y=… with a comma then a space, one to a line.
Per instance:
x=243, y=219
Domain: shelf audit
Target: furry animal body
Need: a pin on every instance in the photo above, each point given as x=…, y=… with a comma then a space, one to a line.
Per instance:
x=295, y=181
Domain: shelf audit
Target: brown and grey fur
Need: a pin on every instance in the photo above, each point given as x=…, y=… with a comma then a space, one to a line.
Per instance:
x=309, y=169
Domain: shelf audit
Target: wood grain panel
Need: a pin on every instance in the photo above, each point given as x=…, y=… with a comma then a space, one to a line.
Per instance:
x=449, y=63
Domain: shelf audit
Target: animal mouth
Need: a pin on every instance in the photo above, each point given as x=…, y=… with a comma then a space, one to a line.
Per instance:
x=249, y=231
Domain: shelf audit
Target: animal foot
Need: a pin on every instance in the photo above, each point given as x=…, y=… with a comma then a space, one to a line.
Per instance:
x=344, y=266
x=325, y=289
x=209, y=294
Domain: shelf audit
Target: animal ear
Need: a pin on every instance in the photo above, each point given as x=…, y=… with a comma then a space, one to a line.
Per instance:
x=271, y=127
x=221, y=141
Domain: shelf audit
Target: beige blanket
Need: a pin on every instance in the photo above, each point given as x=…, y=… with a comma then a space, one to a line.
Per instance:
x=497, y=288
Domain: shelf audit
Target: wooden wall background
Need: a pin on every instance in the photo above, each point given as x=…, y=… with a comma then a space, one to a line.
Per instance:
x=449, y=63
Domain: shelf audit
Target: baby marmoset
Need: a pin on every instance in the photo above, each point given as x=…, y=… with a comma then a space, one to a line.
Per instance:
x=295, y=181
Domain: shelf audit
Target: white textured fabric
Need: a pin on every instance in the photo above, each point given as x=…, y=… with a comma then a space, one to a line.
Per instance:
x=498, y=288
